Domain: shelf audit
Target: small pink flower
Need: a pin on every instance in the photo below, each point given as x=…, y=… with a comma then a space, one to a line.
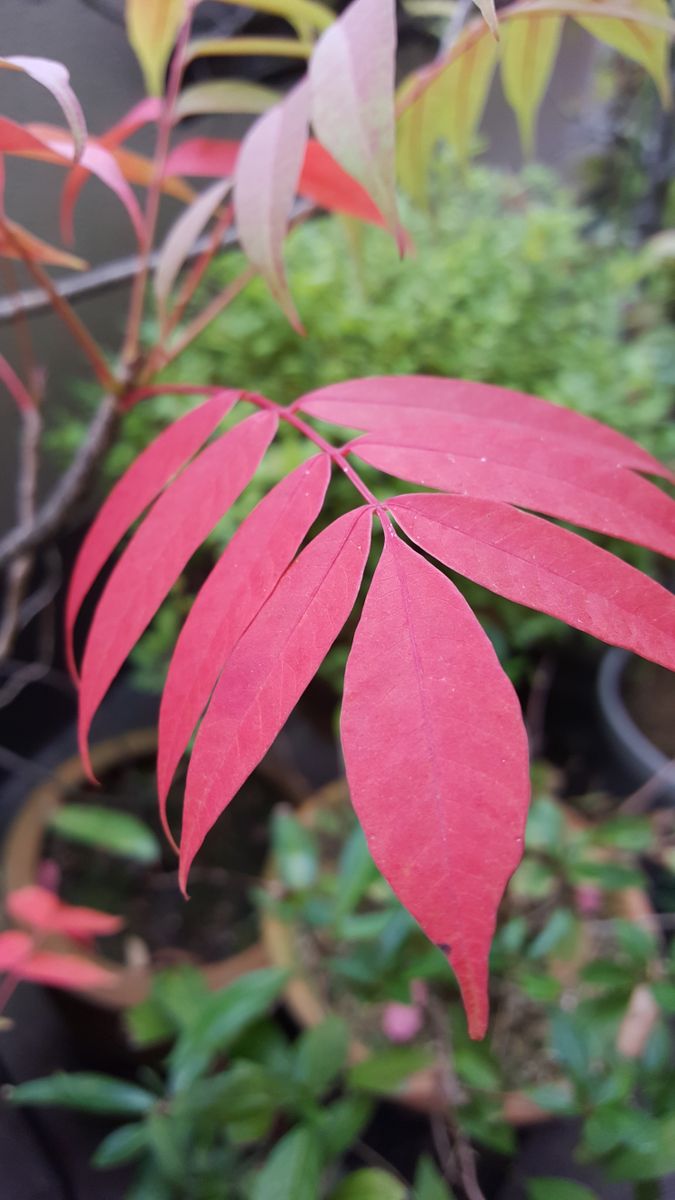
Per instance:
x=401, y=1022
x=588, y=899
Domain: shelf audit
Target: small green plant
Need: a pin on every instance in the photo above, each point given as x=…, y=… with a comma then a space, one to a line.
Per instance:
x=239, y=1111
x=581, y=995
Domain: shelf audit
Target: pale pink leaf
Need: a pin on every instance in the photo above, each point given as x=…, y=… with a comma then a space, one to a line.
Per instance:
x=233, y=594
x=131, y=495
x=183, y=235
x=265, y=183
x=268, y=671
x=437, y=762
x=174, y=528
x=352, y=79
x=56, y=78
x=544, y=567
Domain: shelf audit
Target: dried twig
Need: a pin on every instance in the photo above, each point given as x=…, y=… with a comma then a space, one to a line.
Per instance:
x=454, y=1150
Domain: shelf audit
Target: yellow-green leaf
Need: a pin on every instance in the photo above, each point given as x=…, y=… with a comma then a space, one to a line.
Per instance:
x=233, y=47
x=444, y=104
x=303, y=15
x=635, y=39
x=225, y=96
x=152, y=28
x=529, y=48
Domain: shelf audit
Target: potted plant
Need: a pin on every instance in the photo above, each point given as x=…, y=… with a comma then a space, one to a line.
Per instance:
x=635, y=700
x=576, y=929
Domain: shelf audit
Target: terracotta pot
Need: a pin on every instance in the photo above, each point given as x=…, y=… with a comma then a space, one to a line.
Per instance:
x=23, y=852
x=424, y=1090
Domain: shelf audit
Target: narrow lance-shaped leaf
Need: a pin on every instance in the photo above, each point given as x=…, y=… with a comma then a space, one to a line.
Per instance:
x=301, y=14
x=529, y=50
x=352, y=77
x=265, y=183
x=152, y=562
x=132, y=494
x=387, y=402
x=636, y=40
x=152, y=29
x=56, y=78
x=19, y=958
x=234, y=593
x=550, y=480
x=489, y=15
x=436, y=758
x=182, y=236
x=238, y=47
x=18, y=243
x=224, y=96
x=43, y=910
x=545, y=567
x=268, y=671
x=444, y=103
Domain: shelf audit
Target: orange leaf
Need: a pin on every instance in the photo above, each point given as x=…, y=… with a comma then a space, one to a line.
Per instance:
x=17, y=242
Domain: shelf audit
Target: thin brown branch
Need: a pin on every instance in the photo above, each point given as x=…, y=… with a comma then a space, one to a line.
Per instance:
x=59, y=504
x=20, y=568
x=452, y=1146
x=60, y=305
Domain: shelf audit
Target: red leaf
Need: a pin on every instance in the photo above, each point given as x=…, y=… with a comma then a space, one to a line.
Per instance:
x=543, y=477
x=146, y=112
x=206, y=157
x=238, y=586
x=544, y=567
x=386, y=402
x=323, y=181
x=41, y=909
x=69, y=971
x=269, y=669
x=18, y=957
x=352, y=79
x=265, y=182
x=152, y=562
x=50, y=144
x=132, y=494
x=15, y=948
x=436, y=758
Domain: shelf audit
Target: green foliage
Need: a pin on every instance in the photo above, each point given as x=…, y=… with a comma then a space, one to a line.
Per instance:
x=117, y=833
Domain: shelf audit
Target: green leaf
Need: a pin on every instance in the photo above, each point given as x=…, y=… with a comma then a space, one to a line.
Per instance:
x=176, y=994
x=152, y=28
x=569, y=1044
x=533, y=880
x=86, y=1091
x=356, y=872
x=224, y=96
x=611, y=1126
x=387, y=1070
x=607, y=973
x=476, y=1066
x=553, y=1097
x=611, y=876
x=295, y=852
x=338, y=1125
x=550, y=1188
x=637, y=941
x=545, y=826
x=321, y=1054
x=117, y=833
x=664, y=994
x=370, y=1184
x=429, y=1183
x=123, y=1145
x=219, y=1020
x=538, y=986
x=624, y=832
x=293, y=1169
x=559, y=931
x=652, y=1161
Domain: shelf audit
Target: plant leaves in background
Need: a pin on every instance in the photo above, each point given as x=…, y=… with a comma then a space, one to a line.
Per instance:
x=123, y=1145
x=292, y=1170
x=552, y=1188
x=386, y=1070
x=106, y=829
x=370, y=1183
x=351, y=76
x=636, y=40
x=182, y=236
x=529, y=51
x=152, y=29
x=265, y=183
x=85, y=1091
x=429, y=1183
x=224, y=96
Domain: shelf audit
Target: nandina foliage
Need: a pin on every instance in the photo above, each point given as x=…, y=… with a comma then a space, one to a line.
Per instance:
x=23, y=954
x=433, y=738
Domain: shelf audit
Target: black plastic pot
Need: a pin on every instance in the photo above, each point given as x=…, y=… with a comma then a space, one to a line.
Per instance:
x=637, y=757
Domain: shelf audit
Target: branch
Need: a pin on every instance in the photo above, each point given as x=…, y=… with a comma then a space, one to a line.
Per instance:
x=58, y=506
x=20, y=568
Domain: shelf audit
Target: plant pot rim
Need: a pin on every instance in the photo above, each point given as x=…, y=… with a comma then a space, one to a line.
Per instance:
x=424, y=1090
x=22, y=853
x=638, y=752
